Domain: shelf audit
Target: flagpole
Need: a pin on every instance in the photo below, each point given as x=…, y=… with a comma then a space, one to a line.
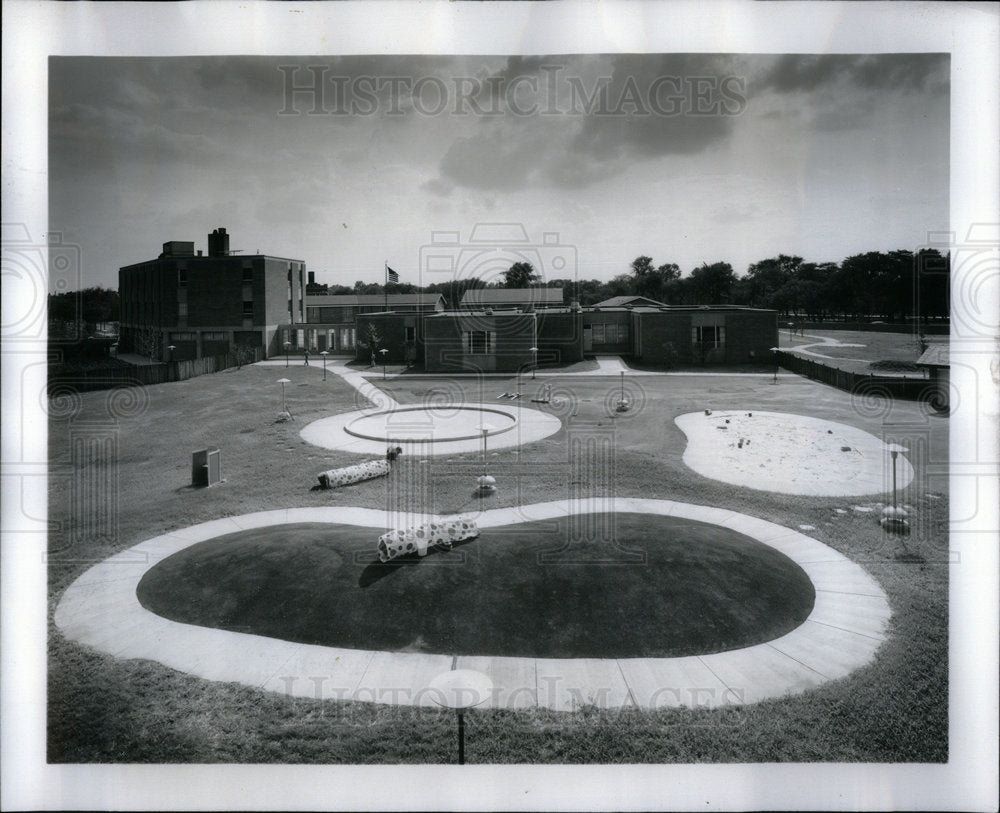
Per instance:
x=385, y=286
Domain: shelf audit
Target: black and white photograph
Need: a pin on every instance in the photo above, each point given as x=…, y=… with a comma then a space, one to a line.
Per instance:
x=500, y=406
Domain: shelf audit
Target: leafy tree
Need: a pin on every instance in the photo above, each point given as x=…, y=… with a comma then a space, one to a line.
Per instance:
x=519, y=275
x=712, y=284
x=642, y=265
x=767, y=278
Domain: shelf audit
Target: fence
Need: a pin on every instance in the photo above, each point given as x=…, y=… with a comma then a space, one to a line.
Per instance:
x=103, y=378
x=928, y=329
x=912, y=388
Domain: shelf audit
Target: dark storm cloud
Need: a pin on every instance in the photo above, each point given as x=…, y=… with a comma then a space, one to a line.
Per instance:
x=589, y=116
x=808, y=72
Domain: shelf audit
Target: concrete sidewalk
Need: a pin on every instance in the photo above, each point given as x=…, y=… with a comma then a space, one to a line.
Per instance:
x=847, y=625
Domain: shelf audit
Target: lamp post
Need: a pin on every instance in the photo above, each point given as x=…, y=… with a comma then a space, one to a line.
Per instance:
x=534, y=361
x=170, y=352
x=283, y=381
x=893, y=517
x=487, y=484
x=461, y=689
x=323, y=353
x=383, y=351
x=774, y=350
x=287, y=347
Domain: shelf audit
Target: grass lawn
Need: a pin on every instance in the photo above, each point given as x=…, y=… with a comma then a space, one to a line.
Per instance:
x=702, y=588
x=105, y=710
x=875, y=347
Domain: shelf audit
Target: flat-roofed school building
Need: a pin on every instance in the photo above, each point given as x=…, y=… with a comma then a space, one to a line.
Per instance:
x=502, y=340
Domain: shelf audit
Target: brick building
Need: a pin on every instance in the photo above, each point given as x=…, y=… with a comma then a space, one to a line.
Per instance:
x=502, y=340
x=716, y=334
x=332, y=319
x=208, y=305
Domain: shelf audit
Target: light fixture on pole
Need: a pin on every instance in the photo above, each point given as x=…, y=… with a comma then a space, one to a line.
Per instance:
x=383, y=351
x=894, y=517
x=774, y=350
x=287, y=347
x=461, y=689
x=324, y=353
x=534, y=361
x=487, y=484
x=170, y=352
x=285, y=415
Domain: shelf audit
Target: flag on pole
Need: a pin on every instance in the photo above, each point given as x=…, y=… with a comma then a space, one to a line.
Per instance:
x=391, y=275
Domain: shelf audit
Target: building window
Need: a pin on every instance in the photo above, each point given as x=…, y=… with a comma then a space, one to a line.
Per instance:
x=215, y=336
x=248, y=308
x=479, y=342
x=709, y=337
x=182, y=309
x=182, y=276
x=411, y=335
x=183, y=337
x=248, y=275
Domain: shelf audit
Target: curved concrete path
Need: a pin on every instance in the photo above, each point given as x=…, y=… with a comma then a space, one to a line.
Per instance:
x=842, y=633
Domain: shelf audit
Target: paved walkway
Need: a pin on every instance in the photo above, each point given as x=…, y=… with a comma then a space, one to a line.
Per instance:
x=842, y=633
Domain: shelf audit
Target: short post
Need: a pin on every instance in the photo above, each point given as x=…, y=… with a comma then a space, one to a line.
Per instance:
x=323, y=353
x=383, y=351
x=622, y=404
x=461, y=689
x=283, y=381
x=288, y=346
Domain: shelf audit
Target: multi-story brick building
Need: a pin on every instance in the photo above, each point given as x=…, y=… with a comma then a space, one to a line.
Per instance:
x=206, y=305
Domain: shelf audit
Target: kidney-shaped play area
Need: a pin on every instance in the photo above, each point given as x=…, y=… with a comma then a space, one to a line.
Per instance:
x=669, y=599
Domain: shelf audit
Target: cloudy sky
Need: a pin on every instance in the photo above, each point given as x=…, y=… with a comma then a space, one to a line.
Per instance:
x=686, y=158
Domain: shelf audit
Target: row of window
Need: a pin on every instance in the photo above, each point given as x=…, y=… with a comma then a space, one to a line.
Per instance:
x=479, y=342
x=609, y=333
x=710, y=337
x=192, y=336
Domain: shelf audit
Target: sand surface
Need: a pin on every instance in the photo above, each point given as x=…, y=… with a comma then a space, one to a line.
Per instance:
x=789, y=454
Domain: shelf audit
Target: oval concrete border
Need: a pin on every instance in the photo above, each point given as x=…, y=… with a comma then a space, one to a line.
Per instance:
x=455, y=407
x=530, y=425
x=842, y=633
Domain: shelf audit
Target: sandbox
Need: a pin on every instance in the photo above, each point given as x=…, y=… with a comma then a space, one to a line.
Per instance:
x=789, y=454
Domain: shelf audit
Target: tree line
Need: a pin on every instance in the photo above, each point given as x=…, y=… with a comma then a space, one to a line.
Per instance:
x=894, y=286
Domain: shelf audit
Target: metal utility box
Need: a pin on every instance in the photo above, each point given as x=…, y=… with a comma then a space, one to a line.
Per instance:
x=206, y=467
